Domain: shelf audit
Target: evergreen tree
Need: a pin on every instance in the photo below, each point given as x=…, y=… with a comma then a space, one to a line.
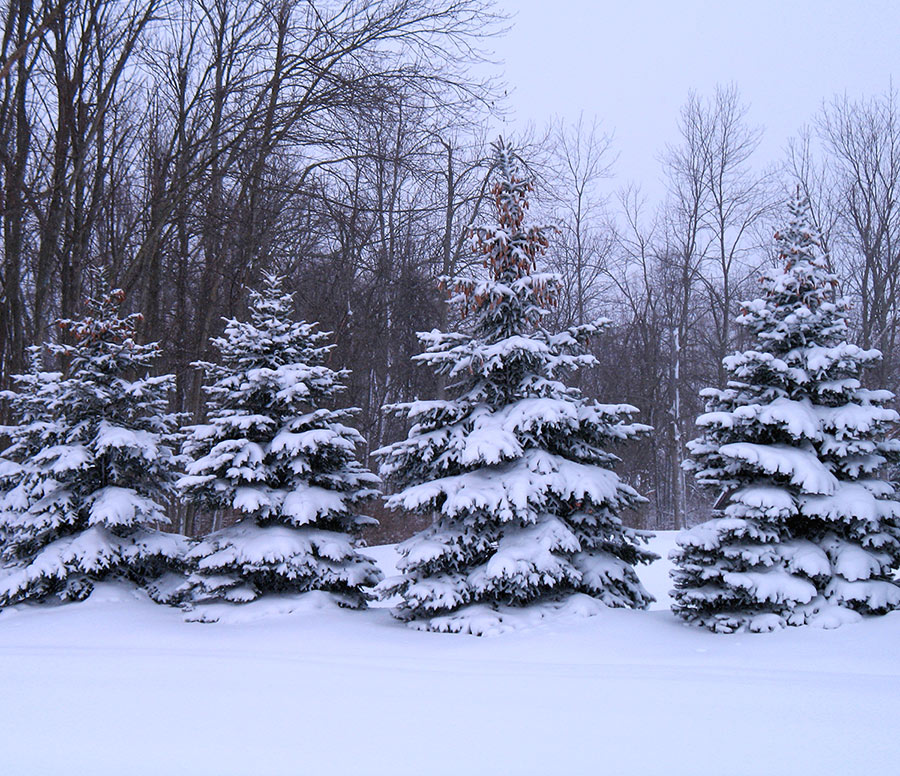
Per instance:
x=806, y=532
x=90, y=461
x=273, y=452
x=34, y=408
x=515, y=469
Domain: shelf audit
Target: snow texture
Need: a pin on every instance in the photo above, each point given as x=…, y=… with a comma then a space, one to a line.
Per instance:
x=624, y=692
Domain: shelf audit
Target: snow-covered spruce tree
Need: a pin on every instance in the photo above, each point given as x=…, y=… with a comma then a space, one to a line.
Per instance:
x=37, y=427
x=805, y=532
x=273, y=452
x=91, y=458
x=515, y=468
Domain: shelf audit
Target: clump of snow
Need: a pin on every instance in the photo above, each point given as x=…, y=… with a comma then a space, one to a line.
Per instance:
x=262, y=608
x=481, y=620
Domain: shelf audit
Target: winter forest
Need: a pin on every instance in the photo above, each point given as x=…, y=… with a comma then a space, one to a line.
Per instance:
x=183, y=150
x=300, y=327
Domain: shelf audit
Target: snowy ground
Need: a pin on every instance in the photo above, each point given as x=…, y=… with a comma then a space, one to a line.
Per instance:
x=123, y=687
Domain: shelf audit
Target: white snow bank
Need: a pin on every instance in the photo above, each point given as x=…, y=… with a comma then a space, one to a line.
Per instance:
x=120, y=685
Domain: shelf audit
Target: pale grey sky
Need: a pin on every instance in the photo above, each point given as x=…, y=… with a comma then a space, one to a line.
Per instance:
x=632, y=62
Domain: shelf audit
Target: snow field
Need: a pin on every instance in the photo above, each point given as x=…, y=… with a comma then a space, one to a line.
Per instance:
x=118, y=685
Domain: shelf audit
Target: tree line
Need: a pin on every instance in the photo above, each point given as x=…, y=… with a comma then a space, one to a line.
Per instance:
x=673, y=275
x=187, y=147
x=512, y=468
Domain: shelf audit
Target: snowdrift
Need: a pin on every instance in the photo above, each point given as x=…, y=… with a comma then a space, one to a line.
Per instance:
x=118, y=685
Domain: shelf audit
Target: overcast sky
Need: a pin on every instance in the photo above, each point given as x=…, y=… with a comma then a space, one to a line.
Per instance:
x=632, y=62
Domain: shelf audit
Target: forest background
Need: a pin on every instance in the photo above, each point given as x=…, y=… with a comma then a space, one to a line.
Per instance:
x=179, y=149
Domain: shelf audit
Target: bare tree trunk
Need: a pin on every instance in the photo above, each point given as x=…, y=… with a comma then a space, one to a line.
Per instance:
x=15, y=148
